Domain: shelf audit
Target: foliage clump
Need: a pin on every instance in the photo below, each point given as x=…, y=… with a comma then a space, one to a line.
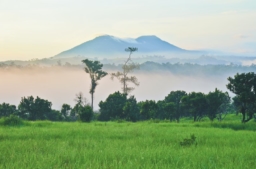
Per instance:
x=12, y=120
x=189, y=141
x=244, y=86
x=85, y=113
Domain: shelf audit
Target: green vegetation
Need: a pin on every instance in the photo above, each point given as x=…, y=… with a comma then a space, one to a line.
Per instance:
x=244, y=86
x=197, y=141
x=12, y=120
x=149, y=144
x=177, y=104
x=94, y=69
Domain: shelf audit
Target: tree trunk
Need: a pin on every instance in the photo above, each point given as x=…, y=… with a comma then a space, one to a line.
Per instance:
x=177, y=119
x=92, y=101
x=124, y=83
x=194, y=118
x=243, y=113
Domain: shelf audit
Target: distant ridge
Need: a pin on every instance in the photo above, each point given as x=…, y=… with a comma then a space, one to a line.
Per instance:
x=107, y=46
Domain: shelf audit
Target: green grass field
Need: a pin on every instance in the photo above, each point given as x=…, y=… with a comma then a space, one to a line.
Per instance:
x=146, y=145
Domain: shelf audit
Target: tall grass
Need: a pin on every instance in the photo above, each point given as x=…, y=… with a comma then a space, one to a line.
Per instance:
x=126, y=145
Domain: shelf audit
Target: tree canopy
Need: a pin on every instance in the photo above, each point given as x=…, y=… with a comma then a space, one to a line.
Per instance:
x=244, y=86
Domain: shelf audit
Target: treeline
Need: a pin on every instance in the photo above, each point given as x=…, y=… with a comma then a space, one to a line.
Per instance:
x=119, y=106
x=31, y=108
x=177, y=104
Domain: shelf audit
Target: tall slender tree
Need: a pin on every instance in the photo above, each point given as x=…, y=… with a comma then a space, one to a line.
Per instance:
x=94, y=69
x=127, y=68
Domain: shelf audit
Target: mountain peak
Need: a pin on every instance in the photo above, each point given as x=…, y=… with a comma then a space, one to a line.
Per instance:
x=104, y=36
x=114, y=46
x=149, y=36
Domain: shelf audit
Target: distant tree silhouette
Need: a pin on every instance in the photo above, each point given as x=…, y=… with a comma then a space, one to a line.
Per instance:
x=127, y=68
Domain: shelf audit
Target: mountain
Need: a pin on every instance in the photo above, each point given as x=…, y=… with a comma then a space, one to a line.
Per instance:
x=107, y=45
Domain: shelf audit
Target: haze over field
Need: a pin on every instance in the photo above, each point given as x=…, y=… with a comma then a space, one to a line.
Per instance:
x=60, y=85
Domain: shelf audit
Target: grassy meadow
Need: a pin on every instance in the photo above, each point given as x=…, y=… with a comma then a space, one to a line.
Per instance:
x=151, y=144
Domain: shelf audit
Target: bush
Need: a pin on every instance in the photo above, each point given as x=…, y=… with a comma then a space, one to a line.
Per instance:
x=189, y=141
x=12, y=120
x=85, y=113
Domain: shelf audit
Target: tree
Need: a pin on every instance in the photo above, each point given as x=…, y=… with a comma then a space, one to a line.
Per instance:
x=55, y=115
x=85, y=113
x=128, y=67
x=112, y=107
x=244, y=86
x=165, y=110
x=175, y=98
x=196, y=104
x=34, y=109
x=94, y=69
x=217, y=101
x=148, y=109
x=131, y=109
x=66, y=111
x=7, y=110
x=81, y=101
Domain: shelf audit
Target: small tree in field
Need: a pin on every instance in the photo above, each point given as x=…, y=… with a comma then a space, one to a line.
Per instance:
x=94, y=69
x=244, y=86
x=127, y=68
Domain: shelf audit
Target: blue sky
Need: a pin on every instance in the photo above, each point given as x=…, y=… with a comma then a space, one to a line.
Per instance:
x=42, y=28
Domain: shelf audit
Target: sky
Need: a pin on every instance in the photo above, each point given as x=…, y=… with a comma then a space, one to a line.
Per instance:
x=32, y=29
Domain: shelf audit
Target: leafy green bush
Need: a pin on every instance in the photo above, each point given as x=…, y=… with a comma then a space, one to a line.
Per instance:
x=85, y=113
x=12, y=120
x=189, y=141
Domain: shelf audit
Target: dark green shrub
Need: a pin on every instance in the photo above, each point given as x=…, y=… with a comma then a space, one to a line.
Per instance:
x=189, y=141
x=112, y=107
x=12, y=120
x=85, y=113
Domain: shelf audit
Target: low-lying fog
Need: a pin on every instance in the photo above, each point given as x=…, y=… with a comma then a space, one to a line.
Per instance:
x=60, y=85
